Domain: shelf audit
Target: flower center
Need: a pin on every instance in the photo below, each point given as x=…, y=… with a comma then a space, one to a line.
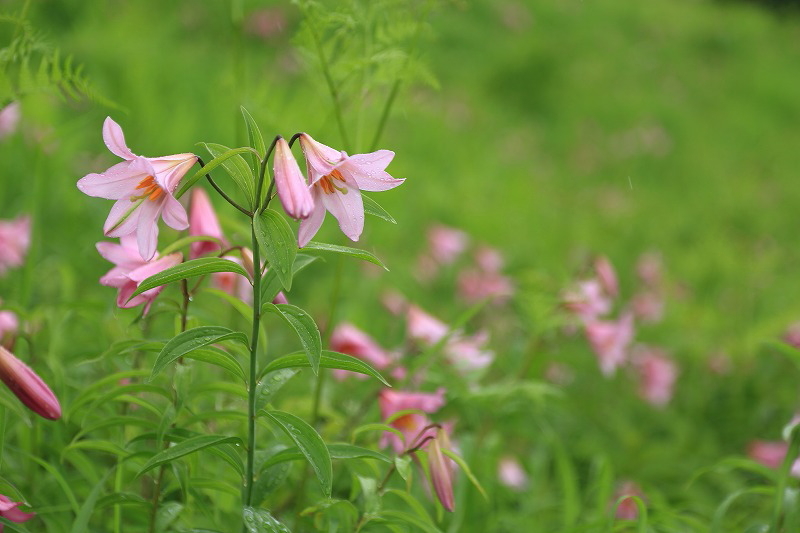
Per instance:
x=327, y=184
x=151, y=190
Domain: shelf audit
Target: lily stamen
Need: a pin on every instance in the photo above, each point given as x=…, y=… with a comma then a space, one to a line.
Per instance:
x=152, y=190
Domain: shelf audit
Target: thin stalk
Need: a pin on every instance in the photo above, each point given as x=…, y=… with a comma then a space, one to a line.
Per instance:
x=251, y=386
x=326, y=72
x=783, y=478
x=222, y=193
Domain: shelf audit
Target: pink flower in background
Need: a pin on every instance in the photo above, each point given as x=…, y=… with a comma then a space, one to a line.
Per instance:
x=441, y=469
x=9, y=119
x=489, y=260
x=9, y=510
x=648, y=306
x=266, y=23
x=606, y=276
x=792, y=335
x=588, y=300
x=422, y=327
x=475, y=285
x=469, y=353
x=15, y=239
x=446, y=244
x=410, y=424
x=292, y=189
x=657, y=374
x=511, y=474
x=394, y=302
x=771, y=454
x=610, y=341
x=8, y=324
x=28, y=387
x=350, y=340
x=203, y=222
x=234, y=284
x=143, y=188
x=336, y=180
x=649, y=269
x=130, y=270
x=627, y=508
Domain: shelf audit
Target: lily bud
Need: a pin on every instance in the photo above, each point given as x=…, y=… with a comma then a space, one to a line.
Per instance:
x=28, y=386
x=292, y=188
x=441, y=470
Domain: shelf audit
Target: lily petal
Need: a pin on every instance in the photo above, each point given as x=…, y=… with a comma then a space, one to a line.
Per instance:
x=348, y=208
x=115, y=140
x=310, y=226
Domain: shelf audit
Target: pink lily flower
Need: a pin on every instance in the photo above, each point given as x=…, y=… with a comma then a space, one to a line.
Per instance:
x=468, y=353
x=446, y=244
x=423, y=327
x=143, y=188
x=475, y=285
x=606, y=276
x=511, y=474
x=130, y=270
x=292, y=189
x=203, y=221
x=336, y=181
x=610, y=341
x=9, y=119
x=657, y=374
x=350, y=340
x=9, y=324
x=588, y=300
x=441, y=469
x=28, y=386
x=9, y=510
x=412, y=424
x=15, y=239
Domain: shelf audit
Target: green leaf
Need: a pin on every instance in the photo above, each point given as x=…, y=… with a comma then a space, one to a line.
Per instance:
x=271, y=285
x=211, y=165
x=186, y=447
x=220, y=358
x=260, y=521
x=311, y=445
x=277, y=239
x=409, y=519
x=271, y=383
x=344, y=250
x=304, y=326
x=378, y=427
x=269, y=480
x=189, y=269
x=185, y=342
x=328, y=359
x=256, y=139
x=372, y=207
x=237, y=168
x=465, y=467
x=81, y=523
x=348, y=451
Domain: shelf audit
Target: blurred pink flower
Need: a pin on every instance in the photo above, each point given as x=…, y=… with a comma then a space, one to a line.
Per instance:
x=8, y=325
x=771, y=454
x=9, y=119
x=336, y=180
x=350, y=340
x=648, y=306
x=627, y=508
x=511, y=474
x=9, y=510
x=203, y=222
x=588, y=300
x=394, y=302
x=28, y=386
x=15, y=239
x=446, y=244
x=476, y=285
x=657, y=374
x=649, y=268
x=143, y=188
x=606, y=276
x=488, y=259
x=792, y=335
x=468, y=353
x=441, y=469
x=292, y=189
x=610, y=341
x=266, y=22
x=411, y=424
x=423, y=327
x=130, y=270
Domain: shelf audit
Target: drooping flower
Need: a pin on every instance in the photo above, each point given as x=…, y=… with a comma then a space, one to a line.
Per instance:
x=411, y=425
x=336, y=181
x=28, y=386
x=130, y=270
x=143, y=188
x=9, y=510
x=293, y=192
x=610, y=341
x=15, y=239
x=511, y=474
x=423, y=327
x=441, y=469
x=657, y=374
x=203, y=222
x=350, y=340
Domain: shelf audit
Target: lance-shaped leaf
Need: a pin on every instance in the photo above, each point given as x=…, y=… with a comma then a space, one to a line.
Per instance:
x=373, y=208
x=311, y=446
x=304, y=326
x=189, y=269
x=237, y=168
x=256, y=139
x=344, y=250
x=186, y=447
x=271, y=285
x=277, y=239
x=260, y=521
x=270, y=384
x=328, y=359
x=189, y=340
x=218, y=160
x=337, y=451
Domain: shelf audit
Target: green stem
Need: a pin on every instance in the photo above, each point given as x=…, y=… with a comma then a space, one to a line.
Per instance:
x=337, y=106
x=783, y=478
x=251, y=392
